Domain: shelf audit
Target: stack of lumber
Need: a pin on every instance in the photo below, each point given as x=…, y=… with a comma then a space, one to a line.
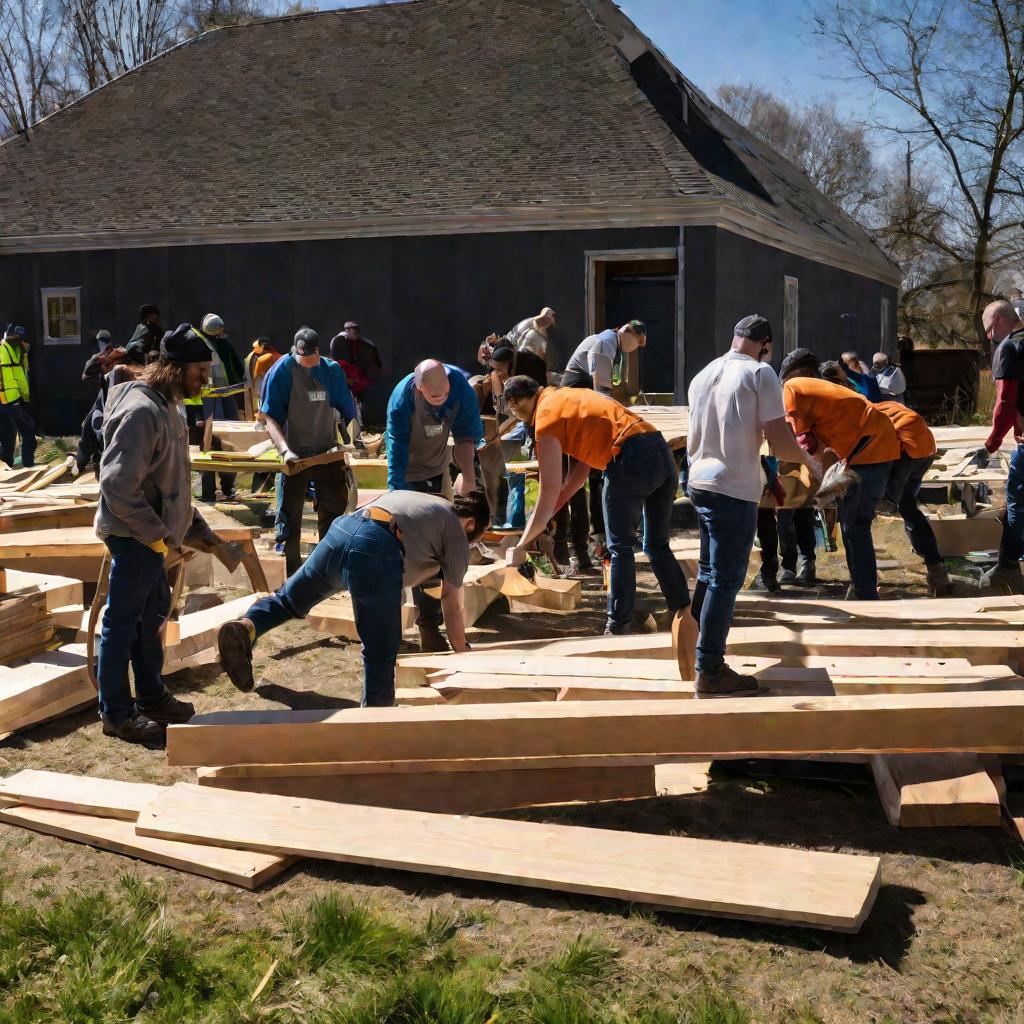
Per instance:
x=45, y=687
x=672, y=421
x=245, y=838
x=26, y=627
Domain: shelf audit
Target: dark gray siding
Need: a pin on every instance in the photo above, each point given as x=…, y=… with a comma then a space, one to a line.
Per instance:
x=728, y=276
x=415, y=297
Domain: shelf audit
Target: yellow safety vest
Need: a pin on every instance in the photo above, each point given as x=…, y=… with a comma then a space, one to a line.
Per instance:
x=13, y=373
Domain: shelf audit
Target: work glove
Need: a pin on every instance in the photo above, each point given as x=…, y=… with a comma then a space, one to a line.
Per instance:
x=159, y=546
x=289, y=456
x=982, y=458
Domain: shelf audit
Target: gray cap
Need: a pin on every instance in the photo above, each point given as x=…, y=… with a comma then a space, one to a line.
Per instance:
x=212, y=324
x=307, y=342
x=755, y=327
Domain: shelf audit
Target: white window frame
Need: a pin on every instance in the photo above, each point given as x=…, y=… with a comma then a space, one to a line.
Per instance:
x=790, y=314
x=61, y=293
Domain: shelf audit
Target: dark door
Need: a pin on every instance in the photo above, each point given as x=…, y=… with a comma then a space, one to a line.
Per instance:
x=652, y=300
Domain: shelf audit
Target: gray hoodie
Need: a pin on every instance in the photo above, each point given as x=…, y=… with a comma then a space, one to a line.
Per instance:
x=145, y=481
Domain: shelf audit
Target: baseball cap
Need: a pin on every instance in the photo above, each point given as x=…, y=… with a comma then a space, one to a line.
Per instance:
x=212, y=324
x=307, y=342
x=755, y=327
x=351, y=323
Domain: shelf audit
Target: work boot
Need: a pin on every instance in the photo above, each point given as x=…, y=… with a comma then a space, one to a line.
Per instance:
x=726, y=682
x=806, y=576
x=765, y=582
x=939, y=583
x=168, y=710
x=787, y=578
x=234, y=646
x=432, y=640
x=137, y=729
x=1004, y=578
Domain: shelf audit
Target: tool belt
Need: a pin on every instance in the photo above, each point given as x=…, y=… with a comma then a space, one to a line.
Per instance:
x=384, y=518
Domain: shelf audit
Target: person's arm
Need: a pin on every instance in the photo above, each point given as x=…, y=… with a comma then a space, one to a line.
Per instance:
x=600, y=365
x=463, y=453
x=783, y=443
x=574, y=480
x=341, y=396
x=454, y=620
x=1004, y=416
x=549, y=459
x=123, y=470
x=467, y=430
x=276, y=432
x=897, y=382
x=397, y=435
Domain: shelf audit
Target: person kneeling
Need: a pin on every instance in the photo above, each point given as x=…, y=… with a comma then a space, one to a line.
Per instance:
x=402, y=539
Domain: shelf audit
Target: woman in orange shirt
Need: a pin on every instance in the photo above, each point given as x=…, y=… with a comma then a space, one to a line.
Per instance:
x=835, y=417
x=640, y=482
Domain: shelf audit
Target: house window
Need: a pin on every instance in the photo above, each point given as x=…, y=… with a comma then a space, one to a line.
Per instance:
x=62, y=316
x=884, y=334
x=791, y=316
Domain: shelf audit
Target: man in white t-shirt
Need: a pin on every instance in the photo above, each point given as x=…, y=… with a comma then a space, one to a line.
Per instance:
x=735, y=404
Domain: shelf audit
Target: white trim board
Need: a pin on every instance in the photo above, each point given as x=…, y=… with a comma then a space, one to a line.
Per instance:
x=697, y=213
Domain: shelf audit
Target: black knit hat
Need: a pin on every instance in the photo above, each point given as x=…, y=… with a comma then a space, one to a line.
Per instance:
x=798, y=359
x=183, y=345
x=755, y=327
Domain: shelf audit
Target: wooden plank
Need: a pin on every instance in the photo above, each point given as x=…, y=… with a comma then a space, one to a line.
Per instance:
x=451, y=793
x=824, y=890
x=244, y=868
x=671, y=421
x=934, y=790
x=921, y=613
x=59, y=517
x=959, y=535
x=83, y=794
x=48, y=678
x=889, y=723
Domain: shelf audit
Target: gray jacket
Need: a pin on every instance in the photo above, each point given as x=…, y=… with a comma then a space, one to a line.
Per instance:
x=145, y=481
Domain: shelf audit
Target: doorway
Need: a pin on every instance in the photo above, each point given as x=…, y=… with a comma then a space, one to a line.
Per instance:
x=640, y=285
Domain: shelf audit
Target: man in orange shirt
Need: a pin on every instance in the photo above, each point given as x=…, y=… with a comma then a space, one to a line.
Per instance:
x=640, y=481
x=831, y=416
x=917, y=445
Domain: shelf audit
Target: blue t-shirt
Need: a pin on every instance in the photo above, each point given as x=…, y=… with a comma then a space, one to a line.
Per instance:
x=277, y=388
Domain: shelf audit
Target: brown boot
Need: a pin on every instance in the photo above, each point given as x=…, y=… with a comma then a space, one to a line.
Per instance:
x=939, y=583
x=725, y=683
x=432, y=640
x=234, y=646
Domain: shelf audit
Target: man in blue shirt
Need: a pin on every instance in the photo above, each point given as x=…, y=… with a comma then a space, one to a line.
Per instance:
x=303, y=397
x=432, y=404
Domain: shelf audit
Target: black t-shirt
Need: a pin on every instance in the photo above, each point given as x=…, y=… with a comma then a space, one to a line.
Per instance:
x=1008, y=364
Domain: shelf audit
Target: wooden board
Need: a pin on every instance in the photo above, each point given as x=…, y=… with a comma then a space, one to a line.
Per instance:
x=451, y=793
x=989, y=611
x=890, y=723
x=957, y=535
x=82, y=794
x=245, y=868
x=824, y=890
x=55, y=676
x=929, y=790
x=671, y=421
x=60, y=517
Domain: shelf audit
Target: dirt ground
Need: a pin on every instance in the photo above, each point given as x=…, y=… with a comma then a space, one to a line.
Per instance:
x=944, y=942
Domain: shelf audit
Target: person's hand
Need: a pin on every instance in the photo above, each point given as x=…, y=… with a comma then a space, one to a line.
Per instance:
x=982, y=457
x=815, y=466
x=159, y=546
x=515, y=557
x=289, y=456
x=464, y=485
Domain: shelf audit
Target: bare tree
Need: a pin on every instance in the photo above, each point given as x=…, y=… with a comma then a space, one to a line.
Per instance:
x=34, y=76
x=957, y=69
x=834, y=154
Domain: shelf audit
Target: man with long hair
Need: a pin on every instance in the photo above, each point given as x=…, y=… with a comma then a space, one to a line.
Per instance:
x=145, y=509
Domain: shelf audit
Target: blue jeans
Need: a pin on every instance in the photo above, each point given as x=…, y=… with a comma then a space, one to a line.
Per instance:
x=16, y=419
x=138, y=603
x=640, y=482
x=904, y=485
x=856, y=513
x=727, y=527
x=1011, y=546
x=364, y=558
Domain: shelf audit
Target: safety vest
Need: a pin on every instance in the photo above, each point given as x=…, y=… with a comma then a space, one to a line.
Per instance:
x=13, y=373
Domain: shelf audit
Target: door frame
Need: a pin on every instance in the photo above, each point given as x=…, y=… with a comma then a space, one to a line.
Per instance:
x=594, y=257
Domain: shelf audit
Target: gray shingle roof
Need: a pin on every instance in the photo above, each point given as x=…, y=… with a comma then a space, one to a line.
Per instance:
x=432, y=107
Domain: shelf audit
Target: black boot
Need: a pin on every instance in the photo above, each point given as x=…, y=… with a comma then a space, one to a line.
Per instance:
x=432, y=640
x=169, y=710
x=765, y=582
x=234, y=646
x=137, y=729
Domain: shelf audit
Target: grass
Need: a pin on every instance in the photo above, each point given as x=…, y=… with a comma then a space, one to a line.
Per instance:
x=111, y=955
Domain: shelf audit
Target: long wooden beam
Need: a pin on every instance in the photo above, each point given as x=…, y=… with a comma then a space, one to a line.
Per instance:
x=891, y=723
x=823, y=890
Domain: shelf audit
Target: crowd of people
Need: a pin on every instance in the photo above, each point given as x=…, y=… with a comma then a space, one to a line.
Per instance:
x=448, y=477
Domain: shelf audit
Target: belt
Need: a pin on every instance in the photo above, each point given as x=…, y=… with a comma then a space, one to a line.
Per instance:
x=384, y=518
